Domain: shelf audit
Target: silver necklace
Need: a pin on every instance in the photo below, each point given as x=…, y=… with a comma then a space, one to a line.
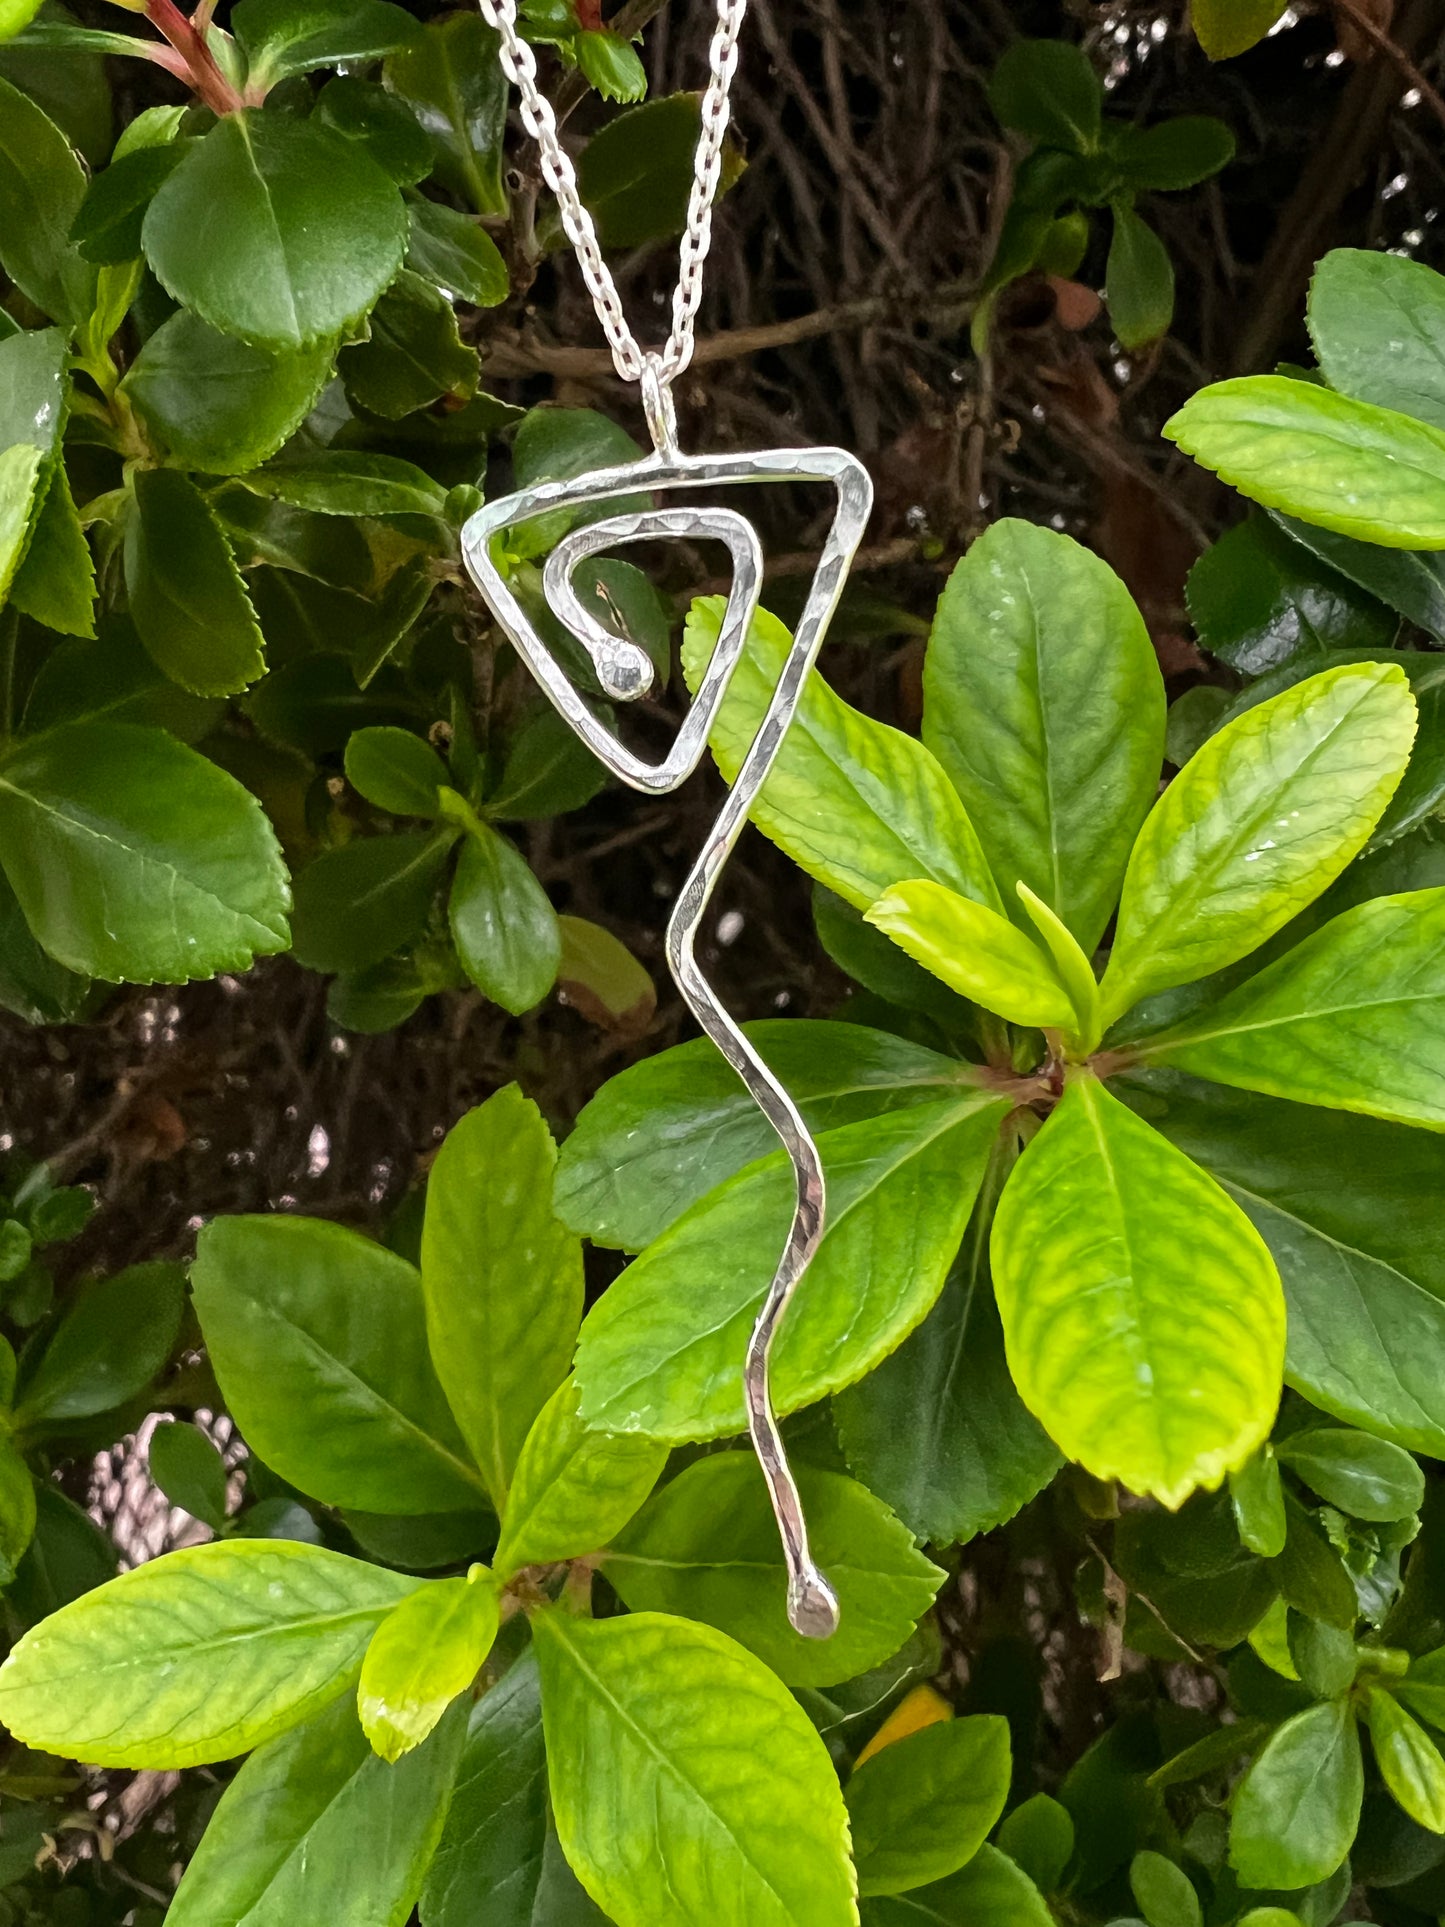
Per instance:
x=625, y=672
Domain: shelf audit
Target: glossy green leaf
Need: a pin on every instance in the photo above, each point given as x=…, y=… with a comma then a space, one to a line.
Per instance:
x=660, y=1135
x=1345, y=465
x=199, y=1655
x=137, y=860
x=317, y=1338
x=68, y=1556
x=1258, y=1498
x=451, y=77
x=1341, y=1203
x=1138, y=281
x=1173, y=154
x=1377, y=322
x=413, y=354
x=502, y=923
x=217, y=404
x=1259, y=599
x=424, y=1653
x=1409, y=1761
x=1367, y=1478
x=187, y=598
x=42, y=185
x=340, y=482
x=20, y=480
x=856, y=804
x=1353, y=1017
x=33, y=986
x=573, y=1489
x=938, y=1430
x=1297, y=1809
x=706, y=1547
x=314, y=230
x=1044, y=703
x=974, y=951
x=55, y=582
x=449, y=249
x=502, y=1278
x=1039, y=1837
x=1228, y=27
x=190, y=1471
x=1141, y=1310
x=1423, y=1688
x=635, y=174
x=33, y=388
x=395, y=770
x=662, y=1351
x=107, y=229
x=358, y=903
x=280, y=37
x=1257, y=825
x=1048, y=89
x=112, y=1342
x=315, y=1826
x=686, y=1781
x=989, y=1892
x=364, y=111
x=921, y=1808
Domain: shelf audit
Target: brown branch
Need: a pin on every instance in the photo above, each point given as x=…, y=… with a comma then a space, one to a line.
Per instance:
x=1393, y=52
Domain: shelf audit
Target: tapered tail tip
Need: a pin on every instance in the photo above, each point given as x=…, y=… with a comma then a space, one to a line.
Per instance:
x=812, y=1605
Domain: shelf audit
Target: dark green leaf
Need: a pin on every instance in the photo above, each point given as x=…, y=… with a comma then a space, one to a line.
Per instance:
x=330, y=548
x=1048, y=90
x=55, y=582
x=921, y=1808
x=1258, y=1498
x=33, y=388
x=190, y=1471
x=451, y=77
x=1309, y=1572
x=1412, y=584
x=1367, y=1478
x=314, y=229
x=395, y=770
x=42, y=185
x=706, y=1547
x=69, y=1555
x=218, y=404
x=635, y=174
x=502, y=923
x=113, y=680
x=386, y=126
x=450, y=250
x=187, y=599
x=1138, y=281
x=342, y=483
x=1259, y=599
x=989, y=1892
x=281, y=37
x=33, y=986
x=356, y=904
x=318, y=1339
x=112, y=1343
x=1174, y=153
x=1378, y=325
x=107, y=230
x=414, y=354
x=313, y=704
x=1296, y=1812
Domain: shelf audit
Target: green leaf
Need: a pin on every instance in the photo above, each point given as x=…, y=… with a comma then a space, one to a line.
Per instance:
x=573, y=1489
x=598, y=975
x=659, y=1136
x=921, y=1808
x=16, y=15
x=1257, y=825
x=318, y=1340
x=1164, y=1892
x=1409, y=1760
x=1367, y=1478
x=33, y=388
x=280, y=37
x=55, y=582
x=137, y=860
x=423, y=1654
x=635, y=174
x=42, y=185
x=1376, y=321
x=451, y=251
x=1297, y=1810
x=662, y=1352
x=610, y=65
x=1353, y=1017
x=502, y=1278
x=1172, y=154
x=1138, y=281
x=68, y=1556
x=856, y=804
x=1048, y=90
x=107, y=229
x=20, y=475
x=196, y=1656
x=1345, y=465
x=187, y=599
x=1258, y=1498
x=502, y=923
x=33, y=987
x=218, y=404
x=1039, y=1837
x=115, y=1338
x=989, y=1892
x=938, y=1430
x=451, y=77
x=1412, y=582
x=395, y=770
x=976, y=952
x=358, y=903
x=1341, y=1202
x=340, y=482
x=706, y=1547
x=190, y=1471
x=1141, y=1310
x=1258, y=599
x=686, y=1781
x=1228, y=27
x=113, y=680
x=365, y=112
x=17, y=1510
x=1044, y=703
x=314, y=230
x=413, y=354
x=316, y=1827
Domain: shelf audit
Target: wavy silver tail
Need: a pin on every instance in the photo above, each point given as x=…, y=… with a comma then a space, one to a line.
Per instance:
x=625, y=673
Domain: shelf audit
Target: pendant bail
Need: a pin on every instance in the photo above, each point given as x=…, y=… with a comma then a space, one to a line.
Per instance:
x=657, y=405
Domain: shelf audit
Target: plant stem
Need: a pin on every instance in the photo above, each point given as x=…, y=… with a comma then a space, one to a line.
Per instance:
x=202, y=72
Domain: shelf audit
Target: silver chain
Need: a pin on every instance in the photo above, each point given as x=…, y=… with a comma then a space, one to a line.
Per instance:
x=520, y=66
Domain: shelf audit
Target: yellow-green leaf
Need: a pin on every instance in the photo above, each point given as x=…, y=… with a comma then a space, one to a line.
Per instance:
x=974, y=951
x=425, y=1652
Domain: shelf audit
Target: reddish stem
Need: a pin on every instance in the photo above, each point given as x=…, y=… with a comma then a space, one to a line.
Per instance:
x=205, y=77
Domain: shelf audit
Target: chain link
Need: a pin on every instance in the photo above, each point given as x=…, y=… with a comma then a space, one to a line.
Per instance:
x=520, y=66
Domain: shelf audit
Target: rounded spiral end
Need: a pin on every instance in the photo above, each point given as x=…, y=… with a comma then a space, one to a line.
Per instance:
x=624, y=671
x=812, y=1605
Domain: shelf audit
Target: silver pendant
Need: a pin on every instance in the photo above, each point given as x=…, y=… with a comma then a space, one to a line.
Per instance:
x=625, y=673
